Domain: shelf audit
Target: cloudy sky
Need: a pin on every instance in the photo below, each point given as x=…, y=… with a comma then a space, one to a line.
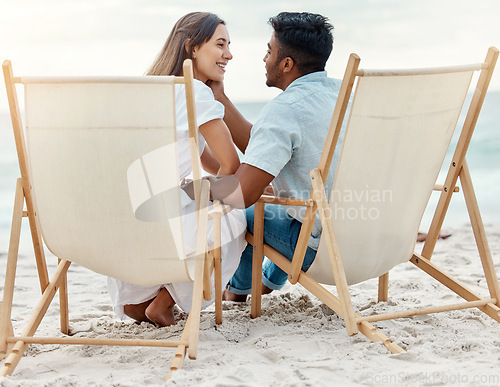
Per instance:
x=122, y=37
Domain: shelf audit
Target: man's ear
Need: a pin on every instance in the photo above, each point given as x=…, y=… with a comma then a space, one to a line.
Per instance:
x=288, y=64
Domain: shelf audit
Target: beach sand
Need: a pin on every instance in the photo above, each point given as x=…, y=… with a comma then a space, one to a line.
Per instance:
x=298, y=341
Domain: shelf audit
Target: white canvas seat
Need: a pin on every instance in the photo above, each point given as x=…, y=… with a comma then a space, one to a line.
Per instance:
x=398, y=131
x=97, y=151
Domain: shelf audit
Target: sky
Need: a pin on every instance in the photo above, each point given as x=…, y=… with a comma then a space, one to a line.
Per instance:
x=122, y=37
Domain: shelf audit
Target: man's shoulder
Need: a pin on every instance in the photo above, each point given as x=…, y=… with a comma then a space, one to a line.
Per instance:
x=308, y=85
x=288, y=103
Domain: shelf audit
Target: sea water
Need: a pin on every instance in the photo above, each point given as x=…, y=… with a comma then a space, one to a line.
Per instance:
x=483, y=159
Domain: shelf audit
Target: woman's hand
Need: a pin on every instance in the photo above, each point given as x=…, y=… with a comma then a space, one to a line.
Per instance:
x=217, y=88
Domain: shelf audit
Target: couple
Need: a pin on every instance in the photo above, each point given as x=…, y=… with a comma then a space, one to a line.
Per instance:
x=280, y=149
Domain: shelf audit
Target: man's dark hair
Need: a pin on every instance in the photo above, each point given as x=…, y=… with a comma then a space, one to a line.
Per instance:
x=304, y=37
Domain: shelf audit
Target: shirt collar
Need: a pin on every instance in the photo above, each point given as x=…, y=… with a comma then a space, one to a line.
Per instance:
x=317, y=75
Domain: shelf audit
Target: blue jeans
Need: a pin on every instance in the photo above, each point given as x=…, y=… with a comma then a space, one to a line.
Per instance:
x=281, y=232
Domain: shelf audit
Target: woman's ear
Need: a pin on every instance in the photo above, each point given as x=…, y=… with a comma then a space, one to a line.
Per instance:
x=189, y=49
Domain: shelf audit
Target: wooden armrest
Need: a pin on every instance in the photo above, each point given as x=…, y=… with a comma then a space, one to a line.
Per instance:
x=285, y=201
x=440, y=187
x=219, y=210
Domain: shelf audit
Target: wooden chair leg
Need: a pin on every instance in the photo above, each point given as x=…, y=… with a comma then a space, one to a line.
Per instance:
x=479, y=233
x=39, y=312
x=258, y=252
x=201, y=248
x=333, y=252
x=194, y=313
x=218, y=291
x=383, y=287
x=180, y=354
x=218, y=270
x=10, y=272
x=10, y=332
x=207, y=283
x=63, y=304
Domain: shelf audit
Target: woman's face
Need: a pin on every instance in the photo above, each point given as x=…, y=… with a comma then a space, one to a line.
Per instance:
x=210, y=58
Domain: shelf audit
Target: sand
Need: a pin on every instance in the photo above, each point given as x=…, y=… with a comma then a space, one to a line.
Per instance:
x=297, y=342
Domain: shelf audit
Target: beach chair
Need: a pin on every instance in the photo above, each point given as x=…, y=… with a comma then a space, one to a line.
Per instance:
x=398, y=130
x=98, y=152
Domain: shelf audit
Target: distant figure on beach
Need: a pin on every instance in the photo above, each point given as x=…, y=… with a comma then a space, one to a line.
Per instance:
x=421, y=237
x=285, y=142
x=203, y=38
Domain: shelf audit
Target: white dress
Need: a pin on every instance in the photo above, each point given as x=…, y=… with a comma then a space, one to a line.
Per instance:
x=233, y=224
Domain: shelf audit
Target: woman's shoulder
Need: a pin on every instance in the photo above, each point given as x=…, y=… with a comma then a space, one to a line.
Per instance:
x=202, y=91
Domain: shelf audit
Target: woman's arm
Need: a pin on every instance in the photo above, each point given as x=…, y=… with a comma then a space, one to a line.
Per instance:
x=221, y=148
x=208, y=161
x=238, y=125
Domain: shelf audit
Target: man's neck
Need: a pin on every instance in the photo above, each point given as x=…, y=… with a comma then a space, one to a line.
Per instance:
x=290, y=80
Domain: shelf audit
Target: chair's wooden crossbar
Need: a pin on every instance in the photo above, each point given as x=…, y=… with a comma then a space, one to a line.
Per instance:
x=375, y=336
x=421, y=71
x=428, y=310
x=99, y=79
x=441, y=187
x=453, y=284
x=219, y=210
x=97, y=341
x=285, y=201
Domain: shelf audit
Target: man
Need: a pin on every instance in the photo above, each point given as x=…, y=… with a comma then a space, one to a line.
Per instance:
x=284, y=144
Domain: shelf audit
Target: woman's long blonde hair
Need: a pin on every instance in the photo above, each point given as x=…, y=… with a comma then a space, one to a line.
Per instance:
x=195, y=28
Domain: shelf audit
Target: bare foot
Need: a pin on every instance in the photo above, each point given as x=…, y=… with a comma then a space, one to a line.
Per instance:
x=137, y=311
x=422, y=236
x=230, y=296
x=161, y=310
x=266, y=290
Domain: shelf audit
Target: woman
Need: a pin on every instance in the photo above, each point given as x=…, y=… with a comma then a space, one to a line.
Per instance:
x=203, y=38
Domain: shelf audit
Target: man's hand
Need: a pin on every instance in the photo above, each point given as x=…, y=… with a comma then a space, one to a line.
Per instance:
x=188, y=187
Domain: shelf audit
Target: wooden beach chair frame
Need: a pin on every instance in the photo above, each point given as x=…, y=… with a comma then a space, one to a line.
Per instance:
x=318, y=203
x=12, y=347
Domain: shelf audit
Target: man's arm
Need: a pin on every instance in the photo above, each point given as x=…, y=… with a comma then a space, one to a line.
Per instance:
x=238, y=126
x=242, y=189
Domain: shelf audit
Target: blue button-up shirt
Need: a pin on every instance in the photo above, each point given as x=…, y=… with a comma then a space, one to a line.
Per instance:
x=287, y=139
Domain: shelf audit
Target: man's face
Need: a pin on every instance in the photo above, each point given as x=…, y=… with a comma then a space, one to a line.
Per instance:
x=274, y=75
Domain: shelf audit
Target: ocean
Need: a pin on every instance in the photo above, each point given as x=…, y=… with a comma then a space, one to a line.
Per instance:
x=483, y=159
